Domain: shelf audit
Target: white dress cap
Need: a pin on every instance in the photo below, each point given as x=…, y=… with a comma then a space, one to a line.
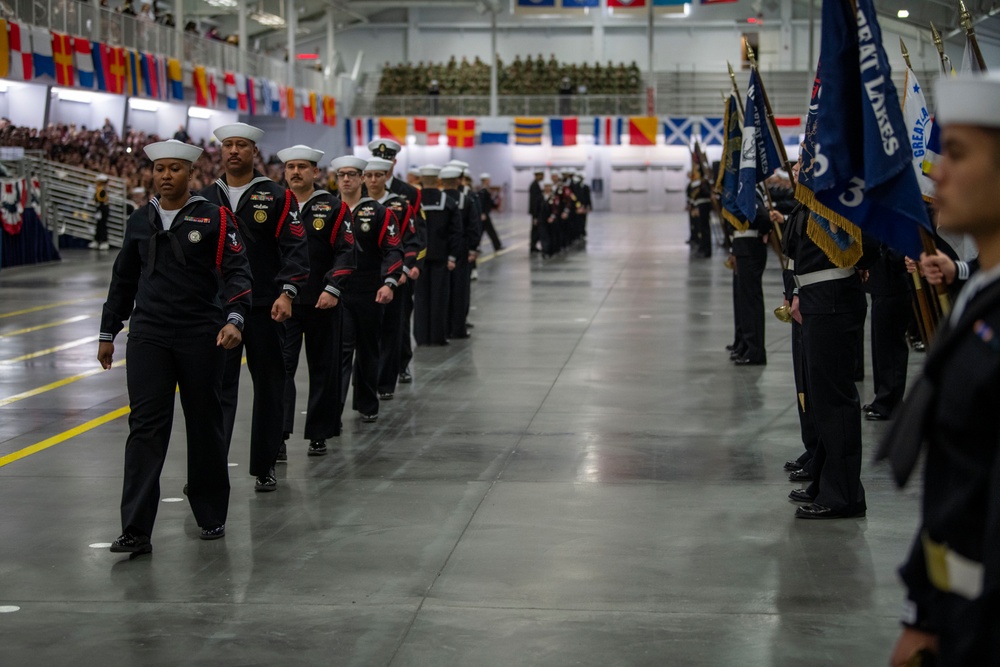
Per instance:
x=384, y=148
x=241, y=130
x=466, y=173
x=414, y=170
x=430, y=170
x=102, y=178
x=970, y=99
x=378, y=164
x=350, y=162
x=300, y=152
x=171, y=148
x=457, y=163
x=484, y=176
x=450, y=171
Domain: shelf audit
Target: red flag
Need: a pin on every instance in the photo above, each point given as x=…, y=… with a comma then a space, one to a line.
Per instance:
x=461, y=132
x=62, y=54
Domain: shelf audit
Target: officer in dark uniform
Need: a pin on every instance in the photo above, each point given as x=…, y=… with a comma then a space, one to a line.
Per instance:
x=952, y=575
x=183, y=281
x=699, y=195
x=100, y=241
x=268, y=219
x=316, y=312
x=396, y=349
x=486, y=206
x=586, y=203
x=458, y=303
x=371, y=286
x=750, y=250
x=534, y=202
x=830, y=303
x=444, y=244
x=889, y=284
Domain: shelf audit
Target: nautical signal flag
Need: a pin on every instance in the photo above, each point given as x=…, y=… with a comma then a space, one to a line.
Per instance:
x=360, y=131
x=393, y=127
x=329, y=110
x=642, y=130
x=84, y=61
x=200, y=86
x=21, y=60
x=41, y=47
x=679, y=131
x=461, y=132
x=242, y=99
x=5, y=54
x=290, y=101
x=563, y=131
x=232, y=102
x=309, y=106
x=62, y=57
x=494, y=131
x=427, y=131
x=528, y=131
x=607, y=130
x=175, y=77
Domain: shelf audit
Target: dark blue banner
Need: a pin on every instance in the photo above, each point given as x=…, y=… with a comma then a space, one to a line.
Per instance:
x=759, y=157
x=728, y=181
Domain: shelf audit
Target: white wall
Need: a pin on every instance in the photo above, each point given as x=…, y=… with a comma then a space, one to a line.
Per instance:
x=201, y=128
x=91, y=113
x=24, y=104
x=164, y=119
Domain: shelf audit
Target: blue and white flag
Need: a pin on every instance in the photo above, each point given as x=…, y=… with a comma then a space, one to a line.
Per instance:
x=919, y=126
x=759, y=156
x=712, y=131
x=728, y=179
x=863, y=163
x=679, y=131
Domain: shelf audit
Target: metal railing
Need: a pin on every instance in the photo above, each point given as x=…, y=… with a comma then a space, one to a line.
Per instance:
x=507, y=105
x=67, y=198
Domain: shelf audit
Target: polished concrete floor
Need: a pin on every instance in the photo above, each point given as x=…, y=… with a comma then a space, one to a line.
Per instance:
x=586, y=481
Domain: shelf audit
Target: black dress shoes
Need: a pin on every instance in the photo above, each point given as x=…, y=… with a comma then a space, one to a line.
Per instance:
x=369, y=419
x=317, y=448
x=213, y=533
x=385, y=395
x=874, y=415
x=800, y=496
x=405, y=377
x=266, y=483
x=800, y=475
x=283, y=453
x=132, y=544
x=792, y=466
x=737, y=354
x=747, y=361
x=815, y=511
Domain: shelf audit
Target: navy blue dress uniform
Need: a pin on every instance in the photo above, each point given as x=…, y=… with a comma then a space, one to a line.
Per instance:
x=103, y=211
x=458, y=303
x=535, y=198
x=330, y=239
x=444, y=244
x=275, y=238
x=750, y=252
x=551, y=212
x=377, y=241
x=833, y=306
x=892, y=309
x=699, y=195
x=486, y=206
x=586, y=202
x=179, y=278
x=392, y=315
x=952, y=573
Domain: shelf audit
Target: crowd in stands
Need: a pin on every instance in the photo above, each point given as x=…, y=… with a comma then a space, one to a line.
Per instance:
x=521, y=77
x=105, y=152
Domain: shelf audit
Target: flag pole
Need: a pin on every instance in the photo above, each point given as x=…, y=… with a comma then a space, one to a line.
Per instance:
x=939, y=45
x=927, y=316
x=970, y=33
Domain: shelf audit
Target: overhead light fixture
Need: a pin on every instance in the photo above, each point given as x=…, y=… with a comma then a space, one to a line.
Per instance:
x=268, y=19
x=143, y=105
x=903, y=13
x=68, y=95
x=199, y=112
x=224, y=4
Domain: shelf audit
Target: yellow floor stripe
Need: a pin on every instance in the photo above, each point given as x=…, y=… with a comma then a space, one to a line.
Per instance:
x=63, y=437
x=48, y=325
x=493, y=255
x=55, y=385
x=35, y=309
x=57, y=348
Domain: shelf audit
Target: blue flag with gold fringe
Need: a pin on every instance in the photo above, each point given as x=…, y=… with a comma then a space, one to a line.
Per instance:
x=861, y=173
x=729, y=178
x=759, y=155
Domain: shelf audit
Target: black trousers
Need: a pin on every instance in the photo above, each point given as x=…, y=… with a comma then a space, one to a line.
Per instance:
x=262, y=338
x=737, y=330
x=491, y=231
x=890, y=351
x=750, y=299
x=810, y=440
x=431, y=295
x=831, y=348
x=389, y=348
x=536, y=235
x=157, y=366
x=360, y=349
x=703, y=230
x=101, y=232
x=405, y=295
x=552, y=234
x=322, y=331
x=458, y=304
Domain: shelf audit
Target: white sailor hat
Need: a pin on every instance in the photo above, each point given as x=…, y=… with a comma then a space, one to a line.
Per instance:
x=101, y=178
x=171, y=148
x=242, y=130
x=457, y=163
x=414, y=170
x=450, y=171
x=300, y=152
x=139, y=191
x=430, y=170
x=466, y=173
x=378, y=164
x=483, y=176
x=384, y=148
x=539, y=170
x=971, y=99
x=350, y=162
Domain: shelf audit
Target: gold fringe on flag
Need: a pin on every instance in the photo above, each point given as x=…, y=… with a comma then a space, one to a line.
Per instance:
x=842, y=258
